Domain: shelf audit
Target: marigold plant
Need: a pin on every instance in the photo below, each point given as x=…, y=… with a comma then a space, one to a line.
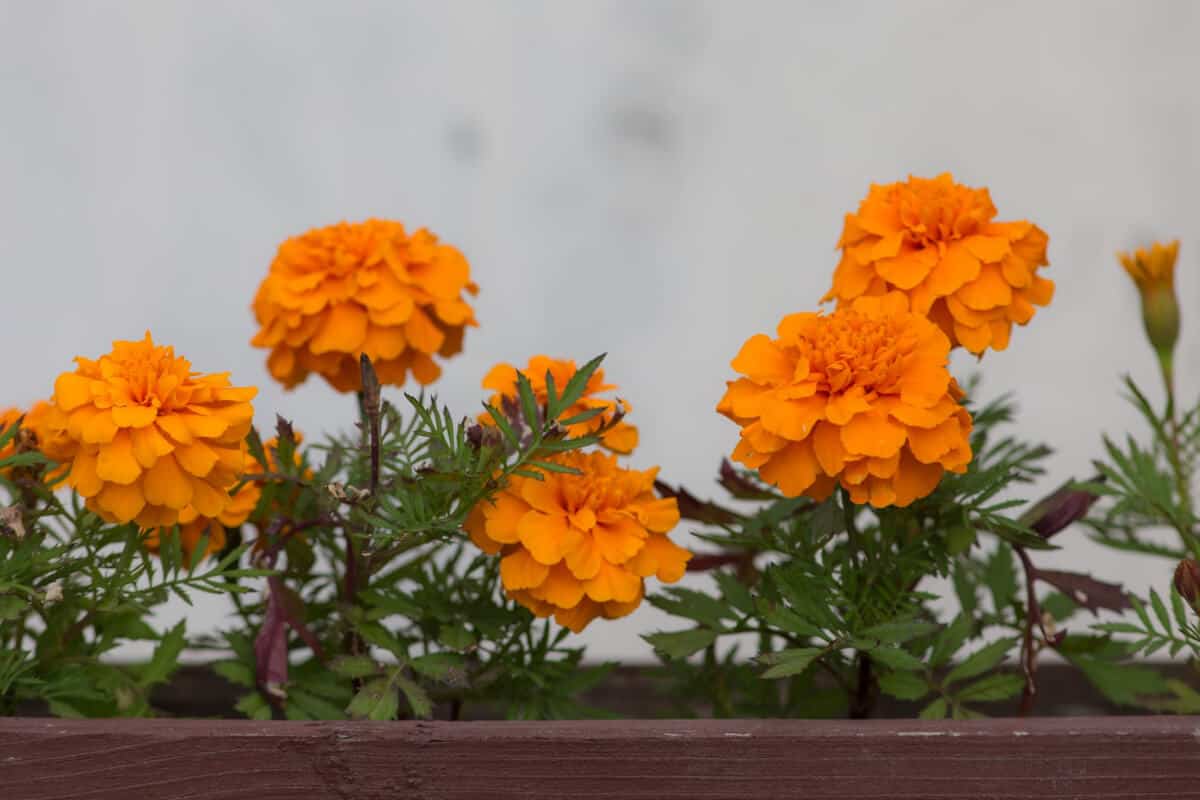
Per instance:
x=860, y=397
x=335, y=293
x=578, y=546
x=1153, y=271
x=48, y=424
x=936, y=241
x=502, y=379
x=154, y=438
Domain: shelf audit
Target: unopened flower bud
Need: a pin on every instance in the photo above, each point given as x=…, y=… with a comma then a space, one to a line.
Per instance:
x=1153, y=271
x=1187, y=582
x=1060, y=508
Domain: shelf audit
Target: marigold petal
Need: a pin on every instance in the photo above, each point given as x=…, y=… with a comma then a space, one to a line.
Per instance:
x=134, y=416
x=519, y=570
x=197, y=458
x=827, y=446
x=115, y=462
x=100, y=428
x=544, y=495
x=560, y=588
x=83, y=478
x=343, y=331
x=872, y=434
x=914, y=480
x=584, y=559
x=660, y=557
x=166, y=484
x=72, y=391
x=544, y=535
x=619, y=540
x=206, y=500
x=122, y=502
x=793, y=469
x=422, y=333
x=577, y=618
x=760, y=360
x=503, y=517
x=792, y=419
x=613, y=583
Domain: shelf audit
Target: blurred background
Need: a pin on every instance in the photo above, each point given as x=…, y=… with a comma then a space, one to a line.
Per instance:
x=654, y=180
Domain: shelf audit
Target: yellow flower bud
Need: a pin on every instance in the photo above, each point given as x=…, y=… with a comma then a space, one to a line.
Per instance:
x=1153, y=271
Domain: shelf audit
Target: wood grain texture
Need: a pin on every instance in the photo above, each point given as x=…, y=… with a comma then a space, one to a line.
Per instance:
x=1130, y=757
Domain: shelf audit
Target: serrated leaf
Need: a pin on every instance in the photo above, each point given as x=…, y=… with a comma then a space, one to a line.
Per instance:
x=950, y=640
x=935, y=710
x=896, y=658
x=456, y=637
x=898, y=632
x=734, y=592
x=992, y=688
x=354, y=666
x=529, y=406
x=904, y=685
x=1000, y=576
x=418, y=700
x=253, y=706
x=1122, y=684
x=437, y=665
x=166, y=657
x=692, y=604
x=980, y=661
x=681, y=644
x=377, y=700
x=578, y=382
x=1160, y=611
x=551, y=466
x=235, y=672
x=313, y=706
x=789, y=662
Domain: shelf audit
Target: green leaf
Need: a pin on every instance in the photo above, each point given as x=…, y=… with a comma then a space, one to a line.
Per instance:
x=1122, y=684
x=354, y=666
x=681, y=644
x=1160, y=611
x=693, y=605
x=577, y=385
x=254, y=706
x=418, y=700
x=550, y=466
x=980, y=661
x=529, y=406
x=456, y=637
x=1000, y=576
x=950, y=640
x=789, y=662
x=1058, y=606
x=896, y=658
x=437, y=665
x=783, y=618
x=734, y=592
x=377, y=700
x=502, y=423
x=166, y=656
x=313, y=706
x=898, y=632
x=992, y=688
x=935, y=710
x=13, y=606
x=904, y=685
x=235, y=672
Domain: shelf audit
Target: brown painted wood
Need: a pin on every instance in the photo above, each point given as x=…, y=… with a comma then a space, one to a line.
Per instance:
x=1100, y=758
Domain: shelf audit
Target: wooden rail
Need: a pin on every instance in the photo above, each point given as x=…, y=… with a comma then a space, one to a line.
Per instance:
x=1094, y=758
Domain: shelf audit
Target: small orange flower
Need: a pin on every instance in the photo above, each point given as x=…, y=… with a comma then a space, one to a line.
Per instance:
x=579, y=546
x=49, y=426
x=334, y=293
x=502, y=379
x=153, y=437
x=935, y=241
x=861, y=397
x=9, y=418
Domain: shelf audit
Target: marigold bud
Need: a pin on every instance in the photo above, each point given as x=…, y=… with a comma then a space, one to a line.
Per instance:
x=1153, y=271
x=1060, y=508
x=1187, y=582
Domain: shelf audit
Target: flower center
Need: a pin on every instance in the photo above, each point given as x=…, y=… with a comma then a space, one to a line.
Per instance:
x=854, y=350
x=934, y=212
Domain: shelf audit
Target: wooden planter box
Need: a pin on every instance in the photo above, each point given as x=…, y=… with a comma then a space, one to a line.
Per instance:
x=50, y=759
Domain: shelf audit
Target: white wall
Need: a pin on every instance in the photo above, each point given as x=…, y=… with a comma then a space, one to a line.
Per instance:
x=655, y=180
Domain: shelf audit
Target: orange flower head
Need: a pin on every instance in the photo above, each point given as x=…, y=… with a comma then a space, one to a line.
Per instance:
x=579, y=546
x=861, y=397
x=9, y=418
x=935, y=241
x=502, y=379
x=153, y=437
x=337, y=292
x=49, y=426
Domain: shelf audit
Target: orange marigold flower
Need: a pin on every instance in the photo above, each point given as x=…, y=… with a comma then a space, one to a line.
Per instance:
x=502, y=379
x=49, y=426
x=579, y=546
x=334, y=293
x=860, y=397
x=153, y=437
x=935, y=241
x=9, y=418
